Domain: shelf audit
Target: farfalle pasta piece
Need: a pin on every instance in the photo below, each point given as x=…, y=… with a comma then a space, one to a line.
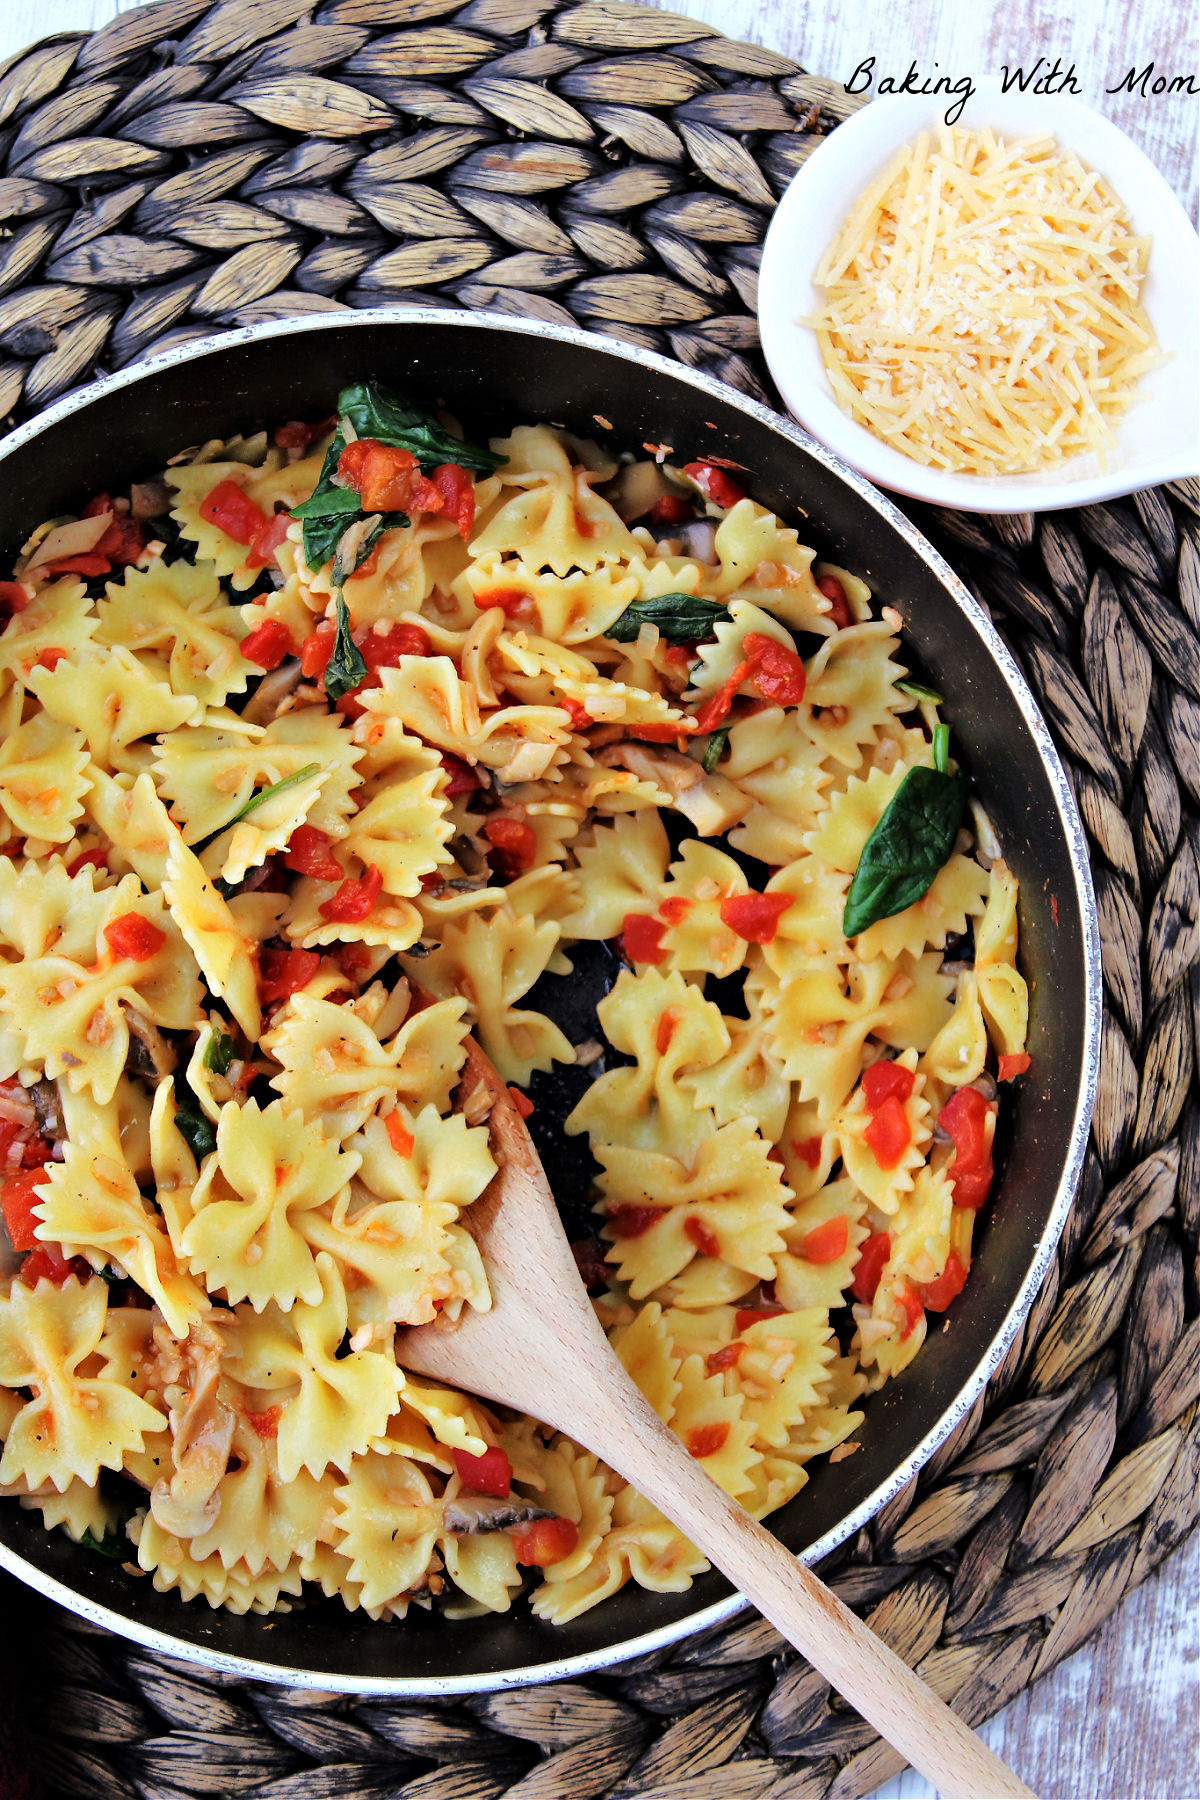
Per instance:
x=43, y=780
x=401, y=830
x=493, y=963
x=622, y=869
x=114, y=701
x=263, y=1521
x=570, y=609
x=208, y=775
x=275, y=482
x=557, y=521
x=246, y=1232
x=167, y=1560
x=429, y=698
x=176, y=620
x=776, y=757
x=825, y=1235
x=885, y=1183
x=213, y=933
x=730, y=1202
x=1003, y=993
x=330, y=1406
x=748, y=1081
x=668, y=1027
x=850, y=697
x=72, y=1425
x=335, y=1070
x=388, y=1521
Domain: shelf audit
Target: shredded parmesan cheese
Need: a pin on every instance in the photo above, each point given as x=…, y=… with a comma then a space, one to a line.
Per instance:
x=981, y=305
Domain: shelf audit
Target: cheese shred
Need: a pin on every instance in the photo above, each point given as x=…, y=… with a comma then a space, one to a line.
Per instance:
x=982, y=306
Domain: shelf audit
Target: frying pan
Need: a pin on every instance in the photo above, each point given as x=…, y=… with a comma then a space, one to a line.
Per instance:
x=493, y=373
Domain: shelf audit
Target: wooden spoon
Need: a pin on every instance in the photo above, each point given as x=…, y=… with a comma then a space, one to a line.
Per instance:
x=541, y=1350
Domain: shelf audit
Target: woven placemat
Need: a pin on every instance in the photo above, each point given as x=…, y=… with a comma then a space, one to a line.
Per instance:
x=194, y=166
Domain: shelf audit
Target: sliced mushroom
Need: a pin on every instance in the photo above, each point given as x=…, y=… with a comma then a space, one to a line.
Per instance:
x=274, y=688
x=149, y=499
x=469, y=853
x=150, y=1054
x=711, y=802
x=468, y=1514
x=698, y=539
x=47, y=1109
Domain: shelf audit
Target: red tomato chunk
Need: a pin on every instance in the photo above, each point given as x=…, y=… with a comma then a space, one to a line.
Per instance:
x=522, y=1102
x=457, y=489
x=489, y=1474
x=964, y=1117
x=399, y=1136
x=233, y=512
x=284, y=972
x=714, y=483
x=889, y=1134
x=755, y=917
x=727, y=1357
x=47, y=1263
x=826, y=1243
x=388, y=479
x=133, y=938
x=545, y=1541
x=872, y=1259
x=914, y=1311
x=354, y=899
x=310, y=852
x=632, y=1221
x=1011, y=1066
x=268, y=644
x=702, y=1236
x=641, y=936
x=938, y=1294
x=514, y=845
x=267, y=541
x=94, y=859
x=839, y=612
x=17, y=1201
x=883, y=1080
x=746, y=1316
x=707, y=1440
x=775, y=670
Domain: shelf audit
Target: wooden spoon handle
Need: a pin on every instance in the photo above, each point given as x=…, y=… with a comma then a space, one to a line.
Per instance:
x=862, y=1668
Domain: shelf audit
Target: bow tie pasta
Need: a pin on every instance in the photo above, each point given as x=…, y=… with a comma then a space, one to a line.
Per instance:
x=320, y=751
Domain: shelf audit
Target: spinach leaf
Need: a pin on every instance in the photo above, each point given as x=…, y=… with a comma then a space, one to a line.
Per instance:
x=714, y=750
x=112, y=1544
x=196, y=1129
x=327, y=511
x=377, y=412
x=112, y=1278
x=220, y=1053
x=346, y=668
x=917, y=691
x=267, y=793
x=352, y=555
x=908, y=846
x=681, y=618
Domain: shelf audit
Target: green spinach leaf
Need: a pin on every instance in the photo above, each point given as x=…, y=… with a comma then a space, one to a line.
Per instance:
x=196, y=1129
x=377, y=412
x=910, y=843
x=328, y=509
x=346, y=668
x=220, y=1053
x=112, y=1544
x=715, y=748
x=352, y=556
x=916, y=690
x=681, y=618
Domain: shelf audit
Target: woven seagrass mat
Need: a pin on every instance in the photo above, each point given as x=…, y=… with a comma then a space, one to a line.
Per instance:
x=195, y=166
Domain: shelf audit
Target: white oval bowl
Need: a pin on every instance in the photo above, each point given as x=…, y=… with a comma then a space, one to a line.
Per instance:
x=1159, y=437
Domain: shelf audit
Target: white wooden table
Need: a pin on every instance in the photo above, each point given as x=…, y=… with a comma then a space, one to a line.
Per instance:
x=1118, y=1720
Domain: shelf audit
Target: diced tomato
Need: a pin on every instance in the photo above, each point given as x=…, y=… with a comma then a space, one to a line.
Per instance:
x=889, y=1134
x=964, y=1117
x=826, y=1243
x=746, y=1316
x=462, y=777
x=589, y=1260
x=17, y=1201
x=809, y=1149
x=716, y=707
x=382, y=650
x=88, y=564
x=316, y=650
x=714, y=483
x=13, y=597
x=508, y=599
x=632, y=1221
x=266, y=543
x=522, y=1102
x=641, y=938
x=937, y=1295
x=47, y=1263
x=490, y=1473
x=354, y=899
x=914, y=1311
x=775, y=670
x=93, y=859
x=8, y=1137
x=1011, y=1066
x=669, y=509
x=284, y=972
x=702, y=1236
x=232, y=511
x=399, y=1136
x=49, y=658
x=544, y=1541
x=514, y=845
x=727, y=1357
x=682, y=654
x=675, y=909
x=354, y=960
x=134, y=938
x=457, y=489
x=34, y=1152
x=659, y=731
x=668, y=1019
x=839, y=612
x=884, y=1079
x=706, y=1440
x=581, y=719
x=872, y=1259
x=755, y=917
x=265, y=1423
x=268, y=644
x=297, y=435
x=309, y=852
x=125, y=537
x=388, y=478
